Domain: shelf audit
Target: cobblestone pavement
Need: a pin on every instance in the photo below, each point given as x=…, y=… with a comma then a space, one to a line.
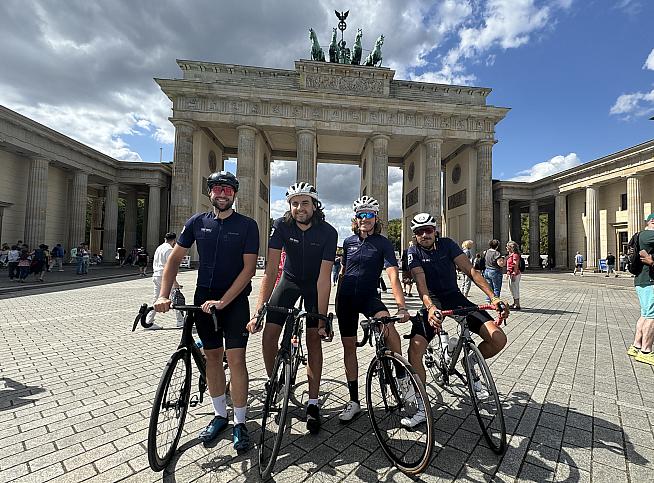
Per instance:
x=76, y=388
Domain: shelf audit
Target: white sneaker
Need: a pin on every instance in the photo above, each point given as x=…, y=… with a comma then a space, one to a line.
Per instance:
x=153, y=327
x=407, y=389
x=352, y=408
x=419, y=417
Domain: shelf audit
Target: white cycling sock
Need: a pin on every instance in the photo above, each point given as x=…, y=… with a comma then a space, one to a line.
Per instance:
x=240, y=415
x=312, y=401
x=219, y=405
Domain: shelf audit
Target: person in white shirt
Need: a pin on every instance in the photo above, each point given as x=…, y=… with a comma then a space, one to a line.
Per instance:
x=159, y=260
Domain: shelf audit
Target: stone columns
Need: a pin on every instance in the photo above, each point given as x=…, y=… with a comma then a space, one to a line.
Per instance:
x=561, y=231
x=635, y=215
x=131, y=207
x=534, y=235
x=433, y=180
x=37, y=202
x=516, y=226
x=96, y=225
x=154, y=210
x=379, y=175
x=78, y=209
x=592, y=227
x=181, y=196
x=245, y=171
x=484, y=206
x=110, y=223
x=504, y=224
x=306, y=156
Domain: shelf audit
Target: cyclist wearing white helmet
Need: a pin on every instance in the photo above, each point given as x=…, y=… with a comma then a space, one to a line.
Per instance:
x=433, y=261
x=310, y=245
x=365, y=255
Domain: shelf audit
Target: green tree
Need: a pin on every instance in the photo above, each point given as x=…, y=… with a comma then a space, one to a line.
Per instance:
x=395, y=233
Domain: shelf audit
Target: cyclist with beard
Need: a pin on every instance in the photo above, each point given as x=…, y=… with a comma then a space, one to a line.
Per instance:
x=228, y=245
x=433, y=262
x=310, y=245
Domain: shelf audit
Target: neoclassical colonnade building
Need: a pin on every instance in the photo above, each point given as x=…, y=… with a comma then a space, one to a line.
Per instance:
x=334, y=113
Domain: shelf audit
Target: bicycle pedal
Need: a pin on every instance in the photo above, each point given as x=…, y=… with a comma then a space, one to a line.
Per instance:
x=195, y=400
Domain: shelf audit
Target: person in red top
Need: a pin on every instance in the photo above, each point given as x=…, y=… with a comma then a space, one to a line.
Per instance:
x=513, y=273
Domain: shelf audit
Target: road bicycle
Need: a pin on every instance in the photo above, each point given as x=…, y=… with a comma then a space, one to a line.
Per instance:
x=173, y=396
x=394, y=392
x=441, y=362
x=280, y=384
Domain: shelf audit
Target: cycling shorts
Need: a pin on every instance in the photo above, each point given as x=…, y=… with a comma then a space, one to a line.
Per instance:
x=286, y=294
x=454, y=300
x=231, y=321
x=350, y=305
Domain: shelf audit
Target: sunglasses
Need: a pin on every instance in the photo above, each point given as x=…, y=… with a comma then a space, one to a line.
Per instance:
x=218, y=190
x=365, y=215
x=424, y=231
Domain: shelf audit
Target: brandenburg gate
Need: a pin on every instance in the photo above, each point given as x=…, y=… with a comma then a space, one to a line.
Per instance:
x=320, y=112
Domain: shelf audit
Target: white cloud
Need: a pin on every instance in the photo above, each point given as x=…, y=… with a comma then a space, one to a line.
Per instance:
x=649, y=63
x=547, y=168
x=635, y=104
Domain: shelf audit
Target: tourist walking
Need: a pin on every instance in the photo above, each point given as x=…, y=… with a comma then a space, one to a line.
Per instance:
x=466, y=282
x=513, y=272
x=494, y=262
x=12, y=262
x=610, y=265
x=579, y=264
x=641, y=349
x=159, y=260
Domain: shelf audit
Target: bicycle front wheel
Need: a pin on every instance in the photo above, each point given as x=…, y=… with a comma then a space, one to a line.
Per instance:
x=485, y=398
x=169, y=410
x=400, y=413
x=275, y=409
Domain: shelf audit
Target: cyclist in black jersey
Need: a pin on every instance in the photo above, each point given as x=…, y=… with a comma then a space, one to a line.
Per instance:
x=228, y=245
x=310, y=245
x=365, y=255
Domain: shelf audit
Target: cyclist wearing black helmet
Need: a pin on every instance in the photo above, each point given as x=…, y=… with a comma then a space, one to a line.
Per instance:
x=310, y=245
x=228, y=245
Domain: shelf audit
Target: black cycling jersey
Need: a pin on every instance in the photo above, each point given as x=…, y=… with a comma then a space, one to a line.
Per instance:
x=364, y=260
x=221, y=246
x=305, y=250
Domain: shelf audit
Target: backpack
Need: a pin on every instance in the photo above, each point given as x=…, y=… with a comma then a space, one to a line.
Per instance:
x=633, y=257
x=522, y=266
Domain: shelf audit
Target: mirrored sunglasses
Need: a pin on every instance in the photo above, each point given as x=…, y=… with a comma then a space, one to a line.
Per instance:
x=428, y=230
x=365, y=215
x=218, y=190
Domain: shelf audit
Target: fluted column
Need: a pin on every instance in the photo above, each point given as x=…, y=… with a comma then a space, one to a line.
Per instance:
x=516, y=226
x=37, y=202
x=154, y=211
x=306, y=156
x=592, y=227
x=534, y=235
x=635, y=215
x=245, y=170
x=181, y=196
x=110, y=222
x=484, y=207
x=78, y=208
x=379, y=175
x=96, y=225
x=433, y=180
x=504, y=224
x=131, y=207
x=561, y=231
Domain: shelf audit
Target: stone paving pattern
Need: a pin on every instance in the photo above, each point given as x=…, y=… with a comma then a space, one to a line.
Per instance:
x=76, y=388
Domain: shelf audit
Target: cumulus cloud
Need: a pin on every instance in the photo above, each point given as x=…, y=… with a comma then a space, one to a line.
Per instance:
x=649, y=63
x=634, y=104
x=547, y=168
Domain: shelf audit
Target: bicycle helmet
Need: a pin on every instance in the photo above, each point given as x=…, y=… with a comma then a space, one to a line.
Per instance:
x=365, y=203
x=421, y=220
x=301, y=188
x=222, y=177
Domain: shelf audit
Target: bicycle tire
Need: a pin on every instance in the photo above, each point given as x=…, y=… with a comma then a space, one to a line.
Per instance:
x=409, y=454
x=175, y=406
x=273, y=419
x=490, y=422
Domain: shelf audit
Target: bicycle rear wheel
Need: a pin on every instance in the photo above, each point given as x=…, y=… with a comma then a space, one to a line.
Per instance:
x=169, y=410
x=388, y=403
x=485, y=398
x=275, y=409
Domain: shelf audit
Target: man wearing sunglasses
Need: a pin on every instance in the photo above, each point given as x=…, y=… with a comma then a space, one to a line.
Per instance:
x=433, y=262
x=365, y=255
x=310, y=245
x=228, y=245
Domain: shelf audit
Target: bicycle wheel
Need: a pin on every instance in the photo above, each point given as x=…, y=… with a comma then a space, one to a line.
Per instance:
x=169, y=410
x=389, y=401
x=485, y=398
x=275, y=409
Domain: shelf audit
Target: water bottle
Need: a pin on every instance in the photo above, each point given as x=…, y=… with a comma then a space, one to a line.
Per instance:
x=445, y=340
x=451, y=345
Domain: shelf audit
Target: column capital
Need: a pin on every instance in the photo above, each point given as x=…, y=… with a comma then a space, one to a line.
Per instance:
x=432, y=140
x=183, y=123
